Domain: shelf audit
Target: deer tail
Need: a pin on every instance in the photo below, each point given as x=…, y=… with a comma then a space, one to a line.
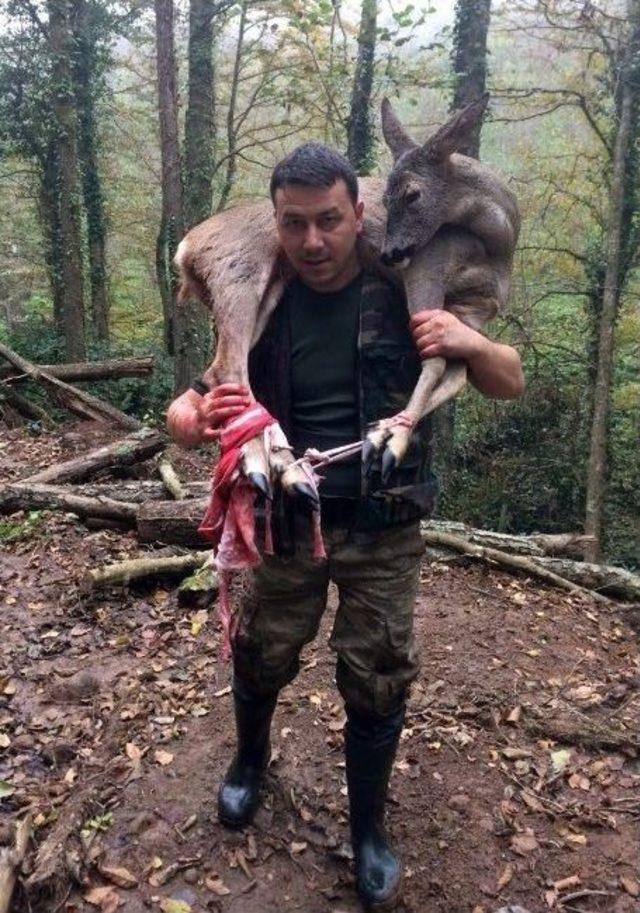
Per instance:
x=190, y=285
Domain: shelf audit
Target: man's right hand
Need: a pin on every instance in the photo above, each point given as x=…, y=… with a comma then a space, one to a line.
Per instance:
x=193, y=419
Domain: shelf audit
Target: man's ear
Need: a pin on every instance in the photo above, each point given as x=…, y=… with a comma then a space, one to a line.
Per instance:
x=359, y=211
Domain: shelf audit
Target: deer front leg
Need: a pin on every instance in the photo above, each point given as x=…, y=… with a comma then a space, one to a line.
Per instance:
x=295, y=476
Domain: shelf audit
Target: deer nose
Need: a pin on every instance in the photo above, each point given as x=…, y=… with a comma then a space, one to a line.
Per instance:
x=397, y=254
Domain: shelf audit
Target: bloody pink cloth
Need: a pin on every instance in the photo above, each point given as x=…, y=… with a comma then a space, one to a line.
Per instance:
x=229, y=522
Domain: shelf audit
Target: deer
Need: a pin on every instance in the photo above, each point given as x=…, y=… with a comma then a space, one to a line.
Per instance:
x=443, y=225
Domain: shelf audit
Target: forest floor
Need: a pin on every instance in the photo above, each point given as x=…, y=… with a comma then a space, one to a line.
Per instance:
x=517, y=779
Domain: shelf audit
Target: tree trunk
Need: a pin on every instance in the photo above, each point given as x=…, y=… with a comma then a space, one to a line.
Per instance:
x=85, y=78
x=359, y=127
x=597, y=464
x=34, y=496
x=199, y=133
x=172, y=222
x=69, y=197
x=49, y=211
x=469, y=62
x=231, y=113
x=139, y=568
x=469, y=59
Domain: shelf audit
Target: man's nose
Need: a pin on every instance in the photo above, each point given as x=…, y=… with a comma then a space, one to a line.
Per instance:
x=313, y=238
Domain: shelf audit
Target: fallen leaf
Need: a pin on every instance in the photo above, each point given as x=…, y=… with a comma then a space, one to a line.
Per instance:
x=571, y=881
x=163, y=757
x=505, y=878
x=119, y=875
x=5, y=741
x=217, y=886
x=514, y=716
x=515, y=754
x=524, y=843
x=576, y=839
x=630, y=885
x=6, y=789
x=222, y=691
x=171, y=905
x=298, y=847
x=104, y=897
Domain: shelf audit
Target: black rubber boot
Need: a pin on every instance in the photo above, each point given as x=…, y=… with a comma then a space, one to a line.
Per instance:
x=239, y=793
x=370, y=746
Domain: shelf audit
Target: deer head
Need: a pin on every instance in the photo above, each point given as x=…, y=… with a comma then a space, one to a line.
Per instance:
x=419, y=188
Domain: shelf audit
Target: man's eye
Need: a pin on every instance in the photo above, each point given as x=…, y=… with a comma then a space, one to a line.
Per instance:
x=329, y=220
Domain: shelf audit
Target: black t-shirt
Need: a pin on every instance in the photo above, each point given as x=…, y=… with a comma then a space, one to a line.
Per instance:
x=323, y=327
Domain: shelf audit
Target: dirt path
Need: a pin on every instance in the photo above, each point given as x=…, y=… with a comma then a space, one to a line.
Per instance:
x=517, y=769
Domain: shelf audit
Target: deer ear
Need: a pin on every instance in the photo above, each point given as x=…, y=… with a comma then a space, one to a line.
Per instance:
x=396, y=137
x=456, y=131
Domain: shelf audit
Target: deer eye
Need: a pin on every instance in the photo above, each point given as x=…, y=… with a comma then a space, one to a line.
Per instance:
x=411, y=196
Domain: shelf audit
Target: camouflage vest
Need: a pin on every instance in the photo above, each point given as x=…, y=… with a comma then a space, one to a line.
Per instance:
x=388, y=369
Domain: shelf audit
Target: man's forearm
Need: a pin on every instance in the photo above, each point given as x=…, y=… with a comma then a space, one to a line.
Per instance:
x=496, y=371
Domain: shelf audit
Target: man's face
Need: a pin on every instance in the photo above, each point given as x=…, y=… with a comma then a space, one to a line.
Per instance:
x=318, y=227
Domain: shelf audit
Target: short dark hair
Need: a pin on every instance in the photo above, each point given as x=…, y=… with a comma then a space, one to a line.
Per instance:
x=314, y=165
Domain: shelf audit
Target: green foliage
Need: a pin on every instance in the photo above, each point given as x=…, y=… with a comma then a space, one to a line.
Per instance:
x=12, y=530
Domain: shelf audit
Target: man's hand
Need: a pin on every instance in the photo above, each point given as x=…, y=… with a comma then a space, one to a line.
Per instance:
x=193, y=419
x=494, y=369
x=440, y=333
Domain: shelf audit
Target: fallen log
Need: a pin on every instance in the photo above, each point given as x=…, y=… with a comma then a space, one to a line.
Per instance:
x=11, y=859
x=519, y=562
x=536, y=544
x=171, y=481
x=77, y=401
x=173, y=522
x=25, y=407
x=138, y=568
x=134, y=491
x=19, y=496
x=87, y=370
x=608, y=579
x=132, y=449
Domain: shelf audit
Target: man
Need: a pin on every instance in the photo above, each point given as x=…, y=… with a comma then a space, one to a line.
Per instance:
x=338, y=353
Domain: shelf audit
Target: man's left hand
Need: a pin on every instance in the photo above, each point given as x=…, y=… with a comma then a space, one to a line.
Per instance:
x=438, y=332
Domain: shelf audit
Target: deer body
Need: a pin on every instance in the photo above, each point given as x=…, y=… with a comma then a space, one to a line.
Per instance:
x=444, y=225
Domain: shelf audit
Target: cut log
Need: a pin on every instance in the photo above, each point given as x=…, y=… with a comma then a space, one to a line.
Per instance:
x=10, y=861
x=138, y=568
x=519, y=562
x=570, y=544
x=87, y=370
x=173, y=522
x=170, y=478
x=45, y=497
x=78, y=401
x=132, y=449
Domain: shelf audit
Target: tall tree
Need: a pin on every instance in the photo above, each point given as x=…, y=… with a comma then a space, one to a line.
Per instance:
x=66, y=152
x=89, y=60
x=359, y=126
x=621, y=242
x=199, y=131
x=469, y=65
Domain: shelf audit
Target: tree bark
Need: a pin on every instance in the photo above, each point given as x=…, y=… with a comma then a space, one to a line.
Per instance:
x=89, y=370
x=172, y=221
x=49, y=212
x=469, y=63
x=199, y=133
x=597, y=463
x=34, y=496
x=135, y=448
x=139, y=568
x=230, y=174
x=69, y=195
x=173, y=522
x=134, y=492
x=86, y=79
x=78, y=401
x=359, y=126
x=11, y=858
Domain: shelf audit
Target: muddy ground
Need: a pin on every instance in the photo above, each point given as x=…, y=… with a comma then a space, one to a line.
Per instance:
x=517, y=780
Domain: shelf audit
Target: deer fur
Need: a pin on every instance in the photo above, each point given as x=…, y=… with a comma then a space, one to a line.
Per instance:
x=444, y=224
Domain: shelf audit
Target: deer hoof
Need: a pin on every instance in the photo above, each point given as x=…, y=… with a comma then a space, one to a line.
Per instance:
x=307, y=495
x=261, y=482
x=389, y=465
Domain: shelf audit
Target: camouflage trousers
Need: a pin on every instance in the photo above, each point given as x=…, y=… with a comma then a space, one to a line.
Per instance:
x=372, y=634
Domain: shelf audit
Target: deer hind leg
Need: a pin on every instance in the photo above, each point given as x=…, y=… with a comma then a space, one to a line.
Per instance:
x=295, y=476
